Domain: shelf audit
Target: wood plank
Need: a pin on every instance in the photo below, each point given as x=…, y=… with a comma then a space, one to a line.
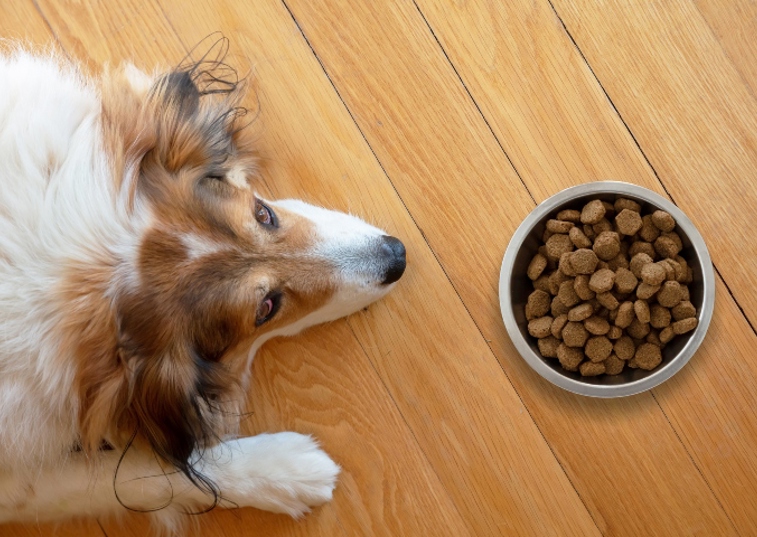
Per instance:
x=494, y=482
x=21, y=22
x=374, y=504
x=390, y=97
x=516, y=59
x=734, y=24
x=691, y=113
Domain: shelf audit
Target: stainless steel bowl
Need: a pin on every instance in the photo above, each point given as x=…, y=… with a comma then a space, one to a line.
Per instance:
x=514, y=288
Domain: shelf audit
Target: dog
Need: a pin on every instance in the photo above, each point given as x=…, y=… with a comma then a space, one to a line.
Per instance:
x=139, y=274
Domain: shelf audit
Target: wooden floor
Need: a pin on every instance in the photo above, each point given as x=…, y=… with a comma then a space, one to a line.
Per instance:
x=446, y=122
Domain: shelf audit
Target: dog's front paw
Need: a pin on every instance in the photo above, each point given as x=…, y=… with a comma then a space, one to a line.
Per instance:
x=283, y=472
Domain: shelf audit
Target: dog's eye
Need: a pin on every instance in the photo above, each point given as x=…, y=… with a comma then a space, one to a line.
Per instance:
x=265, y=215
x=268, y=308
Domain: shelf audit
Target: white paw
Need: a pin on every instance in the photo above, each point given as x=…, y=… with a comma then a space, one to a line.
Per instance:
x=282, y=473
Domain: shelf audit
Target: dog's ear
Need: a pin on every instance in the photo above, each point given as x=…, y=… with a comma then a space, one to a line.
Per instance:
x=174, y=405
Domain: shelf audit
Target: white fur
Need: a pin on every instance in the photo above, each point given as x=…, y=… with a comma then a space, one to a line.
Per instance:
x=57, y=207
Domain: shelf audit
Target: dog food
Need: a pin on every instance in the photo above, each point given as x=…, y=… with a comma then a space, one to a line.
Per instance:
x=610, y=288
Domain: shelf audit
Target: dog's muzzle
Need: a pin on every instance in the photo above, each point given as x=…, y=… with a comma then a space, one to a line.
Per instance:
x=393, y=253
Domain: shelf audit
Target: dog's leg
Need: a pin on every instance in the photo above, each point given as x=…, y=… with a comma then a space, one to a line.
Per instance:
x=283, y=473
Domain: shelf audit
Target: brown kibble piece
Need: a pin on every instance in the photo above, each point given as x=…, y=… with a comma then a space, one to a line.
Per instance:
x=597, y=326
x=666, y=334
x=683, y=310
x=663, y=221
x=659, y=317
x=584, y=261
x=641, y=247
x=540, y=327
x=641, y=309
x=648, y=232
x=591, y=369
x=669, y=295
x=628, y=222
x=638, y=262
x=581, y=286
x=569, y=215
x=653, y=274
x=592, y=212
x=557, y=245
x=648, y=356
x=602, y=281
x=624, y=348
x=684, y=325
x=581, y=312
x=589, y=232
x=608, y=301
x=536, y=267
x=559, y=226
x=666, y=246
x=602, y=226
x=618, y=262
x=558, y=324
x=637, y=329
x=607, y=245
x=579, y=238
x=542, y=283
x=574, y=334
x=567, y=294
x=548, y=346
x=566, y=265
x=625, y=281
x=537, y=305
x=645, y=291
x=614, y=365
x=685, y=292
x=625, y=315
x=615, y=332
x=555, y=279
x=570, y=357
x=598, y=348
x=557, y=307
x=625, y=203
x=654, y=338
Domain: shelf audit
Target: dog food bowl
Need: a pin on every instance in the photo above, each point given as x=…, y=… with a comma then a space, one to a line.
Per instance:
x=515, y=286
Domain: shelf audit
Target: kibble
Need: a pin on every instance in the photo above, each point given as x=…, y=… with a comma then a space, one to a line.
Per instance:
x=647, y=356
x=538, y=304
x=558, y=324
x=669, y=295
x=593, y=212
x=610, y=288
x=597, y=326
x=625, y=281
x=539, y=328
x=602, y=281
x=628, y=222
x=607, y=245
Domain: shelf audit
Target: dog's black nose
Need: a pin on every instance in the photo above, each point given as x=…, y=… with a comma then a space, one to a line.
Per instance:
x=394, y=252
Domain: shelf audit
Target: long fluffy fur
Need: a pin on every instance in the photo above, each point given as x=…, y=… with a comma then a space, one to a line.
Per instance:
x=135, y=262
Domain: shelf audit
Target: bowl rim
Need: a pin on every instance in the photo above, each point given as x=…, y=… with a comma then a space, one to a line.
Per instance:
x=537, y=362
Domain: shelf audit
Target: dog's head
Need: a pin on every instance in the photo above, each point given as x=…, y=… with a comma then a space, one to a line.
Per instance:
x=218, y=270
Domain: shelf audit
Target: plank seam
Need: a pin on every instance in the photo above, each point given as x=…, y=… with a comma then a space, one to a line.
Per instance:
x=646, y=159
x=35, y=3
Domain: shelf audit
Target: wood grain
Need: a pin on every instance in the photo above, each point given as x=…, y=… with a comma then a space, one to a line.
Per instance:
x=625, y=435
x=734, y=25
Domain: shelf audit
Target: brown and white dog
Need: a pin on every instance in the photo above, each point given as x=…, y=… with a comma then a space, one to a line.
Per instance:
x=139, y=274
